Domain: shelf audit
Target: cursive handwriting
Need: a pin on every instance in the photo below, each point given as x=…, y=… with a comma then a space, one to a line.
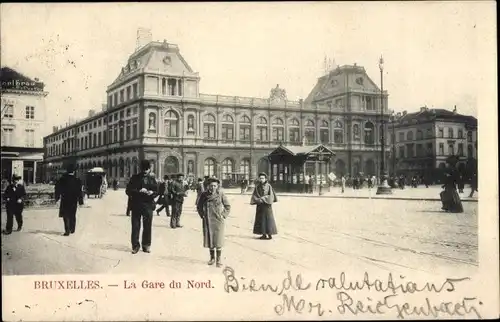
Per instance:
x=233, y=284
x=348, y=305
x=384, y=286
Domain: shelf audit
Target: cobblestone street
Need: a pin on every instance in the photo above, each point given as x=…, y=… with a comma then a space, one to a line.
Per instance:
x=313, y=234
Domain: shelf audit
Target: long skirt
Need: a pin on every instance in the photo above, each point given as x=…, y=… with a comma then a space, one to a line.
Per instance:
x=264, y=221
x=451, y=201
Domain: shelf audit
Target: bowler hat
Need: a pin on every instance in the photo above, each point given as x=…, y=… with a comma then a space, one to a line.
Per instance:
x=145, y=165
x=210, y=180
x=16, y=177
x=263, y=174
x=180, y=175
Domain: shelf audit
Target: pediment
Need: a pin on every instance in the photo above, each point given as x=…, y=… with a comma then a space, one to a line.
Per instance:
x=168, y=62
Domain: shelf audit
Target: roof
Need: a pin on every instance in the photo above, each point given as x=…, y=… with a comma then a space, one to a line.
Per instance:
x=10, y=78
x=426, y=114
x=7, y=73
x=296, y=150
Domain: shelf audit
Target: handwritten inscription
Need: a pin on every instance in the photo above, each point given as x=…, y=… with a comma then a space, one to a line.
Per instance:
x=392, y=289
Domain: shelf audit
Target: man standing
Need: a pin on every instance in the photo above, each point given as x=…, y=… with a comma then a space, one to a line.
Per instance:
x=69, y=190
x=14, y=204
x=213, y=208
x=263, y=197
x=342, y=183
x=164, y=193
x=142, y=189
x=178, y=192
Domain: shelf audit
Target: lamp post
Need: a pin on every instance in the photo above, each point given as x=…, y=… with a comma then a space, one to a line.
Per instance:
x=383, y=188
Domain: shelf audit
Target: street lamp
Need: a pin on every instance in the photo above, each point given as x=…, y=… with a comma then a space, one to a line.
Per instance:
x=383, y=188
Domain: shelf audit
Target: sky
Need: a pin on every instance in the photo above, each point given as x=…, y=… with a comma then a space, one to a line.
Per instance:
x=431, y=50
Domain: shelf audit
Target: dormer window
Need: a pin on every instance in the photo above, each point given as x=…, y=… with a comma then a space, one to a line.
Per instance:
x=359, y=80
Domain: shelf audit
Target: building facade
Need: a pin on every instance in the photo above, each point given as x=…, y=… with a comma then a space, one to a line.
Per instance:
x=23, y=119
x=155, y=111
x=424, y=140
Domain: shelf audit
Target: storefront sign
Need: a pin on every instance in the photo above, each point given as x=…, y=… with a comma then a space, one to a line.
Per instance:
x=22, y=85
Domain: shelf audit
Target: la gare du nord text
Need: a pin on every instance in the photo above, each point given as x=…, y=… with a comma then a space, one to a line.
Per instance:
x=127, y=284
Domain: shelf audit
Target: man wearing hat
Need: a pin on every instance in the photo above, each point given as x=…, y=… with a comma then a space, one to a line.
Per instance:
x=178, y=193
x=142, y=189
x=69, y=190
x=213, y=208
x=14, y=204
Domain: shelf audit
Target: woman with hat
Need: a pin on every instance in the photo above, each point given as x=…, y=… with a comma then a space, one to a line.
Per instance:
x=449, y=196
x=263, y=196
x=14, y=204
x=213, y=208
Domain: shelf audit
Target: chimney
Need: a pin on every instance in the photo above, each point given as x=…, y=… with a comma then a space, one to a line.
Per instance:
x=144, y=37
x=54, y=129
x=455, y=110
x=91, y=113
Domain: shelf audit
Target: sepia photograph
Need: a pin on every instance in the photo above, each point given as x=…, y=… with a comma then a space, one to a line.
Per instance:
x=286, y=160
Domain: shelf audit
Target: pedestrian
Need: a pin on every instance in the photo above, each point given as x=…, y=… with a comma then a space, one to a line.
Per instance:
x=68, y=189
x=200, y=188
x=473, y=184
x=213, y=208
x=264, y=196
x=142, y=189
x=178, y=192
x=14, y=203
x=244, y=185
x=342, y=181
x=129, y=206
x=461, y=183
x=449, y=196
x=164, y=199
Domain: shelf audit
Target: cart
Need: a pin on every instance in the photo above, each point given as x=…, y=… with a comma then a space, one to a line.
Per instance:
x=96, y=183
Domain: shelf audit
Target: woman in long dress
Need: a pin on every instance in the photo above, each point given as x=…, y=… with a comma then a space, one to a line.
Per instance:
x=263, y=196
x=449, y=196
x=213, y=208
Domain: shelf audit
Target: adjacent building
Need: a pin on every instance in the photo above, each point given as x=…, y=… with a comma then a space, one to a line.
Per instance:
x=422, y=142
x=155, y=111
x=23, y=117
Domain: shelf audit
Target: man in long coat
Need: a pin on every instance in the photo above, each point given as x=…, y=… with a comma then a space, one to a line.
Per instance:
x=263, y=196
x=69, y=190
x=14, y=204
x=142, y=189
x=165, y=197
x=178, y=193
x=213, y=208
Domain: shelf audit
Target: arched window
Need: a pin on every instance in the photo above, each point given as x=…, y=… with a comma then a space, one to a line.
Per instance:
x=171, y=124
x=460, y=134
x=227, y=127
x=209, y=167
x=278, y=130
x=324, y=132
x=338, y=132
x=245, y=168
x=227, y=168
x=420, y=135
x=245, y=126
x=262, y=130
x=209, y=127
x=409, y=136
x=310, y=132
x=171, y=166
x=294, y=131
x=369, y=137
x=450, y=132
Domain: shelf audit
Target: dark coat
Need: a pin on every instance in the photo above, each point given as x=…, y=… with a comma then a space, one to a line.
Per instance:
x=164, y=192
x=178, y=192
x=263, y=196
x=142, y=202
x=449, y=197
x=200, y=188
x=69, y=190
x=11, y=195
x=213, y=210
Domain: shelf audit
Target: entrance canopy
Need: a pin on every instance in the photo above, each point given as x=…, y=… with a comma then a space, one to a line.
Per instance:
x=300, y=154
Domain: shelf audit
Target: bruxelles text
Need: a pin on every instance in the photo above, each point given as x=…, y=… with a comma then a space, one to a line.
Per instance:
x=392, y=289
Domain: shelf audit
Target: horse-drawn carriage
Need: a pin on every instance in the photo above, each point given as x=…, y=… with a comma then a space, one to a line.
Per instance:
x=95, y=182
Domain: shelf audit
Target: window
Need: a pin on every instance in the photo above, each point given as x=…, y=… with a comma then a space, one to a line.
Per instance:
x=122, y=130
x=420, y=150
x=441, y=132
x=324, y=133
x=227, y=169
x=429, y=149
x=86, y=142
x=245, y=126
x=338, y=132
x=9, y=111
x=116, y=98
x=129, y=92
x=262, y=130
x=410, y=151
x=115, y=133
x=441, y=148
x=135, y=129
x=163, y=86
x=134, y=90
x=451, y=149
x=469, y=136
x=99, y=139
x=122, y=96
x=460, y=134
x=227, y=128
x=209, y=127
x=128, y=130
x=294, y=131
x=369, y=136
x=209, y=167
x=369, y=103
x=128, y=112
x=409, y=136
x=171, y=124
x=245, y=168
x=94, y=141
x=470, y=151
x=460, y=151
x=310, y=132
x=428, y=133
x=30, y=112
x=450, y=132
x=278, y=130
x=420, y=135
x=402, y=152
x=7, y=136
